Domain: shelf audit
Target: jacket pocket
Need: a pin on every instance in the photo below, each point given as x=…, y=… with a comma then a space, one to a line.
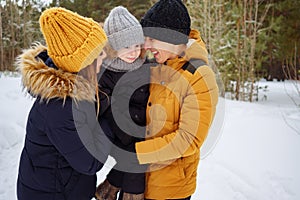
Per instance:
x=190, y=165
x=35, y=177
x=68, y=178
x=171, y=175
x=181, y=168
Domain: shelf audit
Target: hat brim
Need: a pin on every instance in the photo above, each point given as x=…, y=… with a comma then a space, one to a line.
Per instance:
x=166, y=35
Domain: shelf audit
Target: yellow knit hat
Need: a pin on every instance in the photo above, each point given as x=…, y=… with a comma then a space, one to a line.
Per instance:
x=73, y=41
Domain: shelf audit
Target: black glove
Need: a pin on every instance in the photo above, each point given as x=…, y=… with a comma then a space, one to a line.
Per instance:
x=134, y=183
x=115, y=177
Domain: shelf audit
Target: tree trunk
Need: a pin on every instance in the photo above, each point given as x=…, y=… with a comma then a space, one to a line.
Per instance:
x=238, y=54
x=12, y=32
x=245, y=50
x=24, y=3
x=1, y=43
x=252, y=51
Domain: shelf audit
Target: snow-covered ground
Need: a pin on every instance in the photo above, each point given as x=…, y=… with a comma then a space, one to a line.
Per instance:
x=254, y=159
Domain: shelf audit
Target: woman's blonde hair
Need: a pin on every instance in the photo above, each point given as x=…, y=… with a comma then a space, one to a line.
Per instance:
x=90, y=74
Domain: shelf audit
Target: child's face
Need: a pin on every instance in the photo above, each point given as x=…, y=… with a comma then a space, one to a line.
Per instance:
x=129, y=54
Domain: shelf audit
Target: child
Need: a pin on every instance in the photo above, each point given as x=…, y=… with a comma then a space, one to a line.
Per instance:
x=124, y=79
x=55, y=162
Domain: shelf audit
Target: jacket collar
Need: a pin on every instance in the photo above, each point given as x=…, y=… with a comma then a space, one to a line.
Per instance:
x=49, y=83
x=195, y=50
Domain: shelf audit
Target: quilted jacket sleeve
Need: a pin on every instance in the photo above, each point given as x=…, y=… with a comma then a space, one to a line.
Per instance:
x=196, y=116
x=77, y=136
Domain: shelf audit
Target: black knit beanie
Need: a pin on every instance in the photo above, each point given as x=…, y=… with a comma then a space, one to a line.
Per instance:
x=167, y=21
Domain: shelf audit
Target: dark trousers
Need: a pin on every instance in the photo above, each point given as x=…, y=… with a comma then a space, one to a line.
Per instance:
x=188, y=198
x=121, y=196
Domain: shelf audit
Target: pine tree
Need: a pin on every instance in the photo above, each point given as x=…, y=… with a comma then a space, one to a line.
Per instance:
x=288, y=37
x=232, y=30
x=99, y=10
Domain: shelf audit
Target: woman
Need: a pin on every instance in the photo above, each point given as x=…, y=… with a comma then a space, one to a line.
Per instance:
x=62, y=128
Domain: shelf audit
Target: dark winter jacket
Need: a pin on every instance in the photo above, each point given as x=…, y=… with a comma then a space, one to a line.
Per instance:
x=123, y=100
x=124, y=97
x=62, y=129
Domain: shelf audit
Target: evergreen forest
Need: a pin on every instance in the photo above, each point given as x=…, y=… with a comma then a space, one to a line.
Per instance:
x=247, y=39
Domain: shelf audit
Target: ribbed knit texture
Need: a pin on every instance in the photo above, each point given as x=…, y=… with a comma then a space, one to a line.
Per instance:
x=123, y=29
x=73, y=41
x=118, y=65
x=168, y=21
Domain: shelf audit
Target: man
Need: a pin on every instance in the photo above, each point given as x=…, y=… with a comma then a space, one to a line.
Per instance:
x=182, y=102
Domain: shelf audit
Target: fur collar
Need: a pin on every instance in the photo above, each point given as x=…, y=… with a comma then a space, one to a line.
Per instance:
x=49, y=83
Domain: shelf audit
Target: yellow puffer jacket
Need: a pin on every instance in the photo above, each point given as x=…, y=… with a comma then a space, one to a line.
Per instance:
x=181, y=108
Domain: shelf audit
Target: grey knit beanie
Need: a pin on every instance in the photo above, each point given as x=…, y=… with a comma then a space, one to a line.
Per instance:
x=123, y=29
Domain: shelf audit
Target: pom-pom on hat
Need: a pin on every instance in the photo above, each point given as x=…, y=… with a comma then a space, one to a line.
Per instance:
x=123, y=29
x=73, y=41
x=167, y=21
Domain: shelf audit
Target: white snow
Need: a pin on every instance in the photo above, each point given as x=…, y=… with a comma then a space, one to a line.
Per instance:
x=255, y=157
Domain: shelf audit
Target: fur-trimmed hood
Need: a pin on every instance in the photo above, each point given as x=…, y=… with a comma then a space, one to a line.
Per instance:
x=49, y=83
